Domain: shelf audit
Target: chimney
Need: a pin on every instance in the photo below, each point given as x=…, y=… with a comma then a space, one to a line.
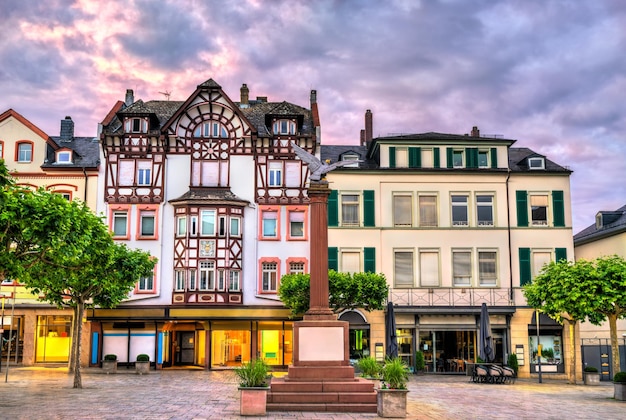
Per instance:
x=67, y=129
x=362, y=137
x=368, y=127
x=475, y=132
x=245, y=95
x=262, y=99
x=313, y=97
x=130, y=97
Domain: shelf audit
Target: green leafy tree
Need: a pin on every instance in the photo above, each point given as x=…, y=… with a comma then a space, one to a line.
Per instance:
x=580, y=291
x=347, y=291
x=63, y=251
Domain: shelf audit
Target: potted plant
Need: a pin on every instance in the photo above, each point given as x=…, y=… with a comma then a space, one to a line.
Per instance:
x=391, y=397
x=109, y=363
x=619, y=386
x=513, y=363
x=142, y=364
x=370, y=369
x=253, y=384
x=420, y=363
x=592, y=376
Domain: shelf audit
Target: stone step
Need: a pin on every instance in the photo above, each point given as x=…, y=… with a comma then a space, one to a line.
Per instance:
x=323, y=407
x=322, y=397
x=286, y=385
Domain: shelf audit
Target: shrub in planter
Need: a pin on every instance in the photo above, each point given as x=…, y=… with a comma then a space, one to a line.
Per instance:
x=142, y=364
x=592, y=376
x=619, y=386
x=253, y=374
x=109, y=363
x=394, y=374
x=110, y=358
x=591, y=369
x=513, y=363
x=143, y=358
x=369, y=367
x=420, y=364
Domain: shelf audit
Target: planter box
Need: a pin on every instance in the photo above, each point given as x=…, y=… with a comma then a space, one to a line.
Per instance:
x=391, y=402
x=620, y=391
x=253, y=401
x=109, y=366
x=142, y=367
x=592, y=378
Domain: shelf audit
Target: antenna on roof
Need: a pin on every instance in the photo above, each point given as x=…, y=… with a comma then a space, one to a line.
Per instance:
x=166, y=94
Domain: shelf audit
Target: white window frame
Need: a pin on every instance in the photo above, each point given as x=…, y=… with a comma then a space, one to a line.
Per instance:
x=284, y=126
x=455, y=154
x=423, y=207
x=234, y=281
x=536, y=163
x=144, y=216
x=460, y=278
x=193, y=225
x=348, y=158
x=409, y=256
x=234, y=227
x=181, y=226
x=206, y=281
x=269, y=277
x=535, y=197
x=275, y=174
x=144, y=176
x=399, y=215
x=179, y=280
x=221, y=280
x=121, y=215
x=146, y=284
x=64, y=157
x=486, y=279
x=296, y=267
x=345, y=205
x=484, y=153
x=24, y=152
x=459, y=204
x=193, y=284
x=208, y=218
x=483, y=204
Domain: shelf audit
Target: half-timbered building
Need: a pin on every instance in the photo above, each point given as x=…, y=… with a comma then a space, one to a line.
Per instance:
x=211, y=188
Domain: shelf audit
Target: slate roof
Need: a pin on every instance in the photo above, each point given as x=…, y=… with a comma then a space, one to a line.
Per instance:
x=335, y=153
x=613, y=222
x=86, y=153
x=518, y=158
x=440, y=137
x=212, y=195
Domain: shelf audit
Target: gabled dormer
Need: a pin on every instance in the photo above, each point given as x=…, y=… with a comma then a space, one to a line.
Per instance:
x=64, y=156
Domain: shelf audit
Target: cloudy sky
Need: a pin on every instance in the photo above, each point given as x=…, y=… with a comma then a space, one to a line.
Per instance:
x=549, y=73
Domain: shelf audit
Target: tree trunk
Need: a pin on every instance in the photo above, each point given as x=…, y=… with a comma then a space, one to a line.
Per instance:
x=614, y=344
x=571, y=376
x=75, y=343
x=80, y=309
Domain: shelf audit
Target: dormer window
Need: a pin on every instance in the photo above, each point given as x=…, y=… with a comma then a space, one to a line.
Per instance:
x=351, y=157
x=457, y=159
x=284, y=127
x=136, y=125
x=64, y=157
x=211, y=129
x=536, y=163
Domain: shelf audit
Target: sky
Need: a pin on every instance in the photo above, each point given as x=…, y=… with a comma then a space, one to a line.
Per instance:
x=550, y=74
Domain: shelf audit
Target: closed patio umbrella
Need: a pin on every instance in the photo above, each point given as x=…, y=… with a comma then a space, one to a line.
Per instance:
x=486, y=351
x=391, y=337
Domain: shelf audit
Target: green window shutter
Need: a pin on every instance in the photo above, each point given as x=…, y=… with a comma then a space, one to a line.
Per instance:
x=392, y=157
x=415, y=157
x=333, y=253
x=333, y=208
x=558, y=208
x=494, y=158
x=524, y=266
x=560, y=254
x=368, y=208
x=522, y=208
x=472, y=157
x=449, y=157
x=436, y=158
x=369, y=260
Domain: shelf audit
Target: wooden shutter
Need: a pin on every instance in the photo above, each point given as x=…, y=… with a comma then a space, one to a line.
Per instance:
x=333, y=209
x=522, y=208
x=369, y=260
x=392, y=157
x=436, y=158
x=415, y=157
x=524, y=266
x=494, y=158
x=368, y=208
x=472, y=157
x=560, y=254
x=333, y=252
x=558, y=208
x=449, y=162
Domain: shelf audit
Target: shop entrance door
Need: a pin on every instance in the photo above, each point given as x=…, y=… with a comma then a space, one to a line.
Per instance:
x=187, y=347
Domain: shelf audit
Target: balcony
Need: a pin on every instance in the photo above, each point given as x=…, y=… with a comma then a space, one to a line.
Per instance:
x=451, y=296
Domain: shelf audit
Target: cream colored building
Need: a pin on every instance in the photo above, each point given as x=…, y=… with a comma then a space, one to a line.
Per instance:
x=453, y=221
x=607, y=236
x=66, y=165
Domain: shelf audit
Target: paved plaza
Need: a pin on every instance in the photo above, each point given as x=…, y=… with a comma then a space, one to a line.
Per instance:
x=46, y=393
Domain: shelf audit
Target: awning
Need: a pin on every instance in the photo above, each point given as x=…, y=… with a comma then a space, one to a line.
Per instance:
x=545, y=323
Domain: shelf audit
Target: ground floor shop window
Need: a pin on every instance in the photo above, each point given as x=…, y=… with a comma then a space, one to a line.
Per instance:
x=359, y=340
x=54, y=338
x=448, y=351
x=549, y=335
x=230, y=347
x=275, y=343
x=405, y=345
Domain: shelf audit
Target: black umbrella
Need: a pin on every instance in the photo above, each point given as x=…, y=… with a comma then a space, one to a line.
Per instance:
x=391, y=337
x=486, y=351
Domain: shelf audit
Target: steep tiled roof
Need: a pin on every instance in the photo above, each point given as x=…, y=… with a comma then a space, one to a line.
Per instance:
x=213, y=195
x=86, y=153
x=613, y=222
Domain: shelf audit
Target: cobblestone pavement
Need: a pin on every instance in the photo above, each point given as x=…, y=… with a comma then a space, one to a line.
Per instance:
x=47, y=393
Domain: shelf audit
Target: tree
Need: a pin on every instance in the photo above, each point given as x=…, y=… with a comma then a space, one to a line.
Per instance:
x=579, y=291
x=62, y=250
x=347, y=291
